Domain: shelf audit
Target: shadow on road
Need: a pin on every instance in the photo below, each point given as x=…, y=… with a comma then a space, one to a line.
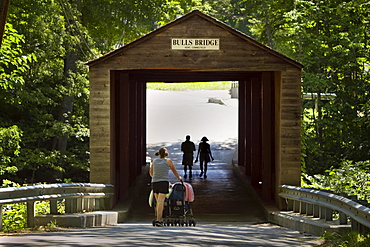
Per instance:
x=222, y=197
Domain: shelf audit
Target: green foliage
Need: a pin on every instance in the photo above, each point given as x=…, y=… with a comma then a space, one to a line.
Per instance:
x=13, y=62
x=51, y=106
x=10, y=139
x=352, y=239
x=14, y=217
x=51, y=226
x=350, y=178
x=330, y=39
x=115, y=23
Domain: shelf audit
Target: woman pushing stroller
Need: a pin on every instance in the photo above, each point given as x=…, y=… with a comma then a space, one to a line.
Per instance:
x=158, y=170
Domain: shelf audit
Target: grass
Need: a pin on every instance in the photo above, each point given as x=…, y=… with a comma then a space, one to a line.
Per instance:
x=352, y=239
x=182, y=86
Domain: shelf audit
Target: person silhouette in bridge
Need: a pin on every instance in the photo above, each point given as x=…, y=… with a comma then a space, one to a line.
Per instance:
x=188, y=148
x=158, y=170
x=204, y=151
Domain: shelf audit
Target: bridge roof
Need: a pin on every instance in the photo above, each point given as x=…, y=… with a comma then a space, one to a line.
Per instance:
x=185, y=18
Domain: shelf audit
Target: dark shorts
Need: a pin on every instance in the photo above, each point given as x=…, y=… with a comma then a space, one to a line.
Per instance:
x=160, y=187
x=187, y=159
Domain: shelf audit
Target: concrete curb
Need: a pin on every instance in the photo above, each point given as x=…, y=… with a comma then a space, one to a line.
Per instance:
x=309, y=225
x=83, y=220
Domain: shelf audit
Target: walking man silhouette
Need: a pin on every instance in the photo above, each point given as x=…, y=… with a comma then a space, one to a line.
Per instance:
x=188, y=147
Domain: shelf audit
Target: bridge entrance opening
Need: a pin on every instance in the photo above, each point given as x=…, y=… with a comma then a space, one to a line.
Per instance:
x=198, y=109
x=269, y=100
x=256, y=135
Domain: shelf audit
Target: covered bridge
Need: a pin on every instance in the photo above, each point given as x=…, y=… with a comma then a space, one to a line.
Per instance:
x=197, y=47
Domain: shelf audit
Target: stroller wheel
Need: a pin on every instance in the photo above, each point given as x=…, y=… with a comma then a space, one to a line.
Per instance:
x=193, y=221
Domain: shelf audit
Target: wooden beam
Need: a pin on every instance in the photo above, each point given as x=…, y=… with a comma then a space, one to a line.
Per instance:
x=268, y=135
x=256, y=135
x=123, y=145
x=248, y=100
x=242, y=142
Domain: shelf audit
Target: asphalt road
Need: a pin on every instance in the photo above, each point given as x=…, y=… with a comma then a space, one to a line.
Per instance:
x=171, y=116
x=225, y=234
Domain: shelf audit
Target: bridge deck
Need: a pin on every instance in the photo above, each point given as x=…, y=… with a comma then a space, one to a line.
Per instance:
x=221, y=197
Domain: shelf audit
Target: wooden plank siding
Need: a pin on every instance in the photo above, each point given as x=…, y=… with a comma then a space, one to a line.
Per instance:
x=100, y=138
x=269, y=100
x=290, y=127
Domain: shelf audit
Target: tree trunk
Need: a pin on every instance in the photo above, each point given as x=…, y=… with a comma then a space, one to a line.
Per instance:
x=268, y=25
x=66, y=108
x=4, y=6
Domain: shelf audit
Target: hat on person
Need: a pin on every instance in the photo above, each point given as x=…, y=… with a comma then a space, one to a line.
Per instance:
x=204, y=139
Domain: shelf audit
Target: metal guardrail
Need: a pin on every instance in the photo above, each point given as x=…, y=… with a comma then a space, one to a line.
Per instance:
x=79, y=197
x=323, y=205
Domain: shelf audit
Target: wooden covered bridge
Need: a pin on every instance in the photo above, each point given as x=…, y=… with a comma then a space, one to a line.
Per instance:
x=197, y=47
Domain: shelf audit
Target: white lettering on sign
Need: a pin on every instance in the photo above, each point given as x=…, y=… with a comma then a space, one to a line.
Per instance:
x=195, y=44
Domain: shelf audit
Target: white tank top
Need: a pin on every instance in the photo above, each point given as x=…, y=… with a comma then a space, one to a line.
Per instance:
x=160, y=170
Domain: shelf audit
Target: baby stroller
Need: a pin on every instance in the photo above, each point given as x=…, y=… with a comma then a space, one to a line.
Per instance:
x=177, y=209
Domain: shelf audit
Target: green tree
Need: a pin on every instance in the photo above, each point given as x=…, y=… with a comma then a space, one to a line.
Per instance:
x=331, y=39
x=52, y=105
x=113, y=23
x=13, y=63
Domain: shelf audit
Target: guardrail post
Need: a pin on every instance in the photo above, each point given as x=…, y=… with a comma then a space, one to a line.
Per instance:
x=86, y=204
x=316, y=211
x=328, y=214
x=290, y=205
x=296, y=206
x=108, y=203
x=74, y=205
x=343, y=219
x=303, y=208
x=309, y=209
x=71, y=205
x=53, y=206
x=322, y=213
x=101, y=203
x=78, y=205
x=1, y=217
x=92, y=203
x=31, y=213
x=355, y=225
